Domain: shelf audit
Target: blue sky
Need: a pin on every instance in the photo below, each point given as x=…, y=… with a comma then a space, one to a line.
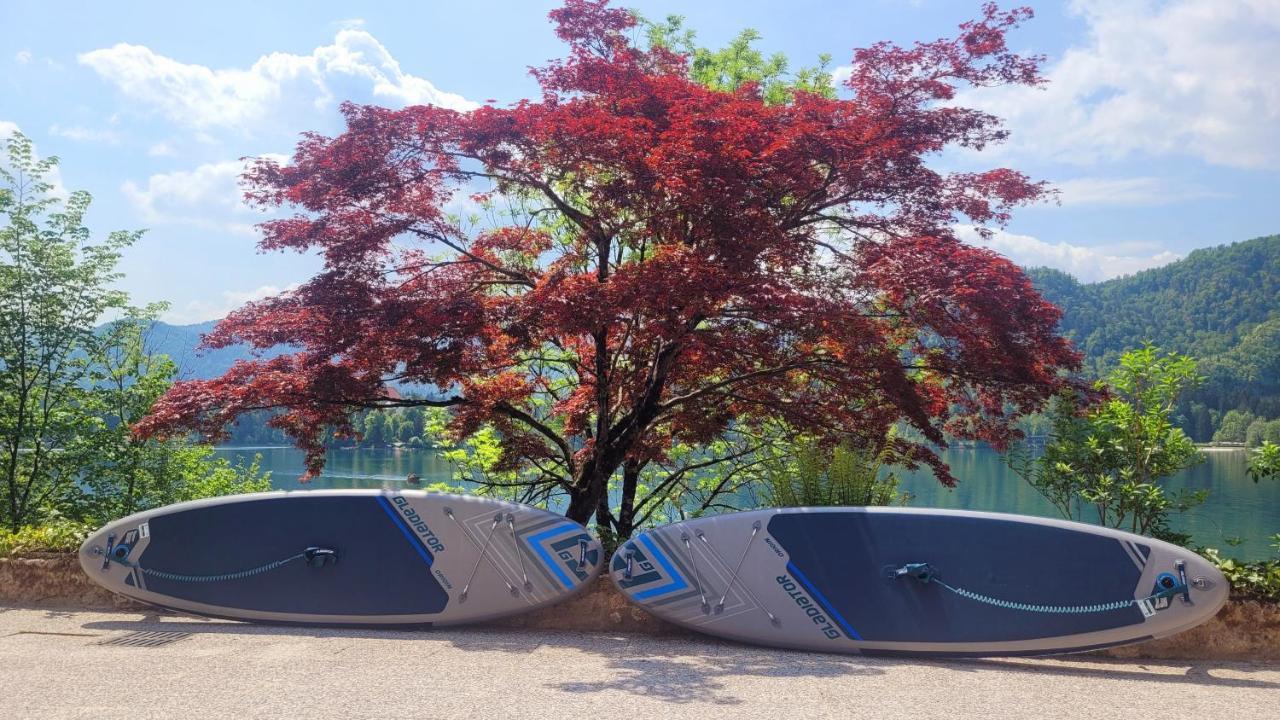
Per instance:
x=1160, y=126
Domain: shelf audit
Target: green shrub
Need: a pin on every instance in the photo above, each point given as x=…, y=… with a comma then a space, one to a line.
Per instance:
x=820, y=477
x=1254, y=580
x=1264, y=462
x=1107, y=461
x=56, y=536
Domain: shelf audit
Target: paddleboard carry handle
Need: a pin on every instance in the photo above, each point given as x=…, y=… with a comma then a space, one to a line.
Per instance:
x=697, y=576
x=106, y=556
x=924, y=572
x=774, y=620
x=515, y=541
x=320, y=556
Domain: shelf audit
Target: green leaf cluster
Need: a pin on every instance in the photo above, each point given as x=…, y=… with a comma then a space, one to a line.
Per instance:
x=55, y=284
x=56, y=535
x=1255, y=580
x=1264, y=463
x=740, y=63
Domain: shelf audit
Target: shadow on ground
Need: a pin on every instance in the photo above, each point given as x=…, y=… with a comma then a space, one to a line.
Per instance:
x=692, y=671
x=679, y=670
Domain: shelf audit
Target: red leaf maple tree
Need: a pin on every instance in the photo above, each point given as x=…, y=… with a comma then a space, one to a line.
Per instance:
x=685, y=261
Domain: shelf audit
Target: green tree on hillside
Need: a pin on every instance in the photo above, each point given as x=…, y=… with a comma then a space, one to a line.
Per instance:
x=69, y=389
x=1262, y=431
x=1106, y=462
x=1233, y=427
x=372, y=429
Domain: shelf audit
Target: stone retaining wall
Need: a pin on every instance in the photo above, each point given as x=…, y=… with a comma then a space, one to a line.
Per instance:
x=55, y=580
x=1244, y=630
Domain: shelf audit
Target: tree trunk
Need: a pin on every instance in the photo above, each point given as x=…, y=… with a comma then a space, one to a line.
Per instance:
x=591, y=485
x=627, y=509
x=605, y=526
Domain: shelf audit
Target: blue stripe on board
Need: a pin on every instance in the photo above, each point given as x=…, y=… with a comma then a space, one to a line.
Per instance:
x=405, y=530
x=535, y=542
x=677, y=582
x=822, y=600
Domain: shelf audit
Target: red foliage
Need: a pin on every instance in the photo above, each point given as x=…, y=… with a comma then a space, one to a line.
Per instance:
x=688, y=259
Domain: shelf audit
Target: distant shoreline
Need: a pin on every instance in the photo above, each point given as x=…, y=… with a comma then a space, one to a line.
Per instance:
x=1212, y=447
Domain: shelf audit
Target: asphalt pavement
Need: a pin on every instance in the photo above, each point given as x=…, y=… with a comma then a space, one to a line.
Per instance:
x=74, y=664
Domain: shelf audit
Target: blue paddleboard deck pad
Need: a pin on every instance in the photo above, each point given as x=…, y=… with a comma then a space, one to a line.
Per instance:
x=916, y=581
x=345, y=557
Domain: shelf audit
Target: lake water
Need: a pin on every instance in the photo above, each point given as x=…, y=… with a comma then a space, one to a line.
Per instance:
x=1237, y=507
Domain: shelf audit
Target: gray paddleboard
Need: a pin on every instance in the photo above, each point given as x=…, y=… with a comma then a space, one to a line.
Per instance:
x=345, y=557
x=916, y=581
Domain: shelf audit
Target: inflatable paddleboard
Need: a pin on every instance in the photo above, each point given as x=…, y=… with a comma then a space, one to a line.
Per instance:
x=916, y=581
x=345, y=557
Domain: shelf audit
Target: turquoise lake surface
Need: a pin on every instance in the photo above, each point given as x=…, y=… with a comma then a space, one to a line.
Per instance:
x=1237, y=507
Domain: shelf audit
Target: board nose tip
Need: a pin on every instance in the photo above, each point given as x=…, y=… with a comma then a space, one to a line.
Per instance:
x=93, y=552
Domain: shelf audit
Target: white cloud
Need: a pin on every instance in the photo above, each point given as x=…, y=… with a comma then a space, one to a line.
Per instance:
x=841, y=74
x=1128, y=191
x=355, y=67
x=161, y=149
x=1087, y=264
x=7, y=128
x=84, y=134
x=1187, y=77
x=23, y=57
x=197, y=311
x=208, y=196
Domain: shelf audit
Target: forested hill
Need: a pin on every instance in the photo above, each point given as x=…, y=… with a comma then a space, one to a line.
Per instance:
x=181, y=344
x=1220, y=305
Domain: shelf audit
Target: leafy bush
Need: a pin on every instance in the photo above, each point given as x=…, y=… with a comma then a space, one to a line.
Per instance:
x=56, y=536
x=159, y=473
x=1255, y=580
x=1265, y=462
x=206, y=476
x=1106, y=461
x=843, y=475
x=193, y=474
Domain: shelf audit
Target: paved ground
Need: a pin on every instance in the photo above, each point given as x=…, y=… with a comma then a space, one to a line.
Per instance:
x=55, y=665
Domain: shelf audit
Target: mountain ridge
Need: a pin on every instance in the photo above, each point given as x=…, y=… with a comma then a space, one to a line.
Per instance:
x=1220, y=305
